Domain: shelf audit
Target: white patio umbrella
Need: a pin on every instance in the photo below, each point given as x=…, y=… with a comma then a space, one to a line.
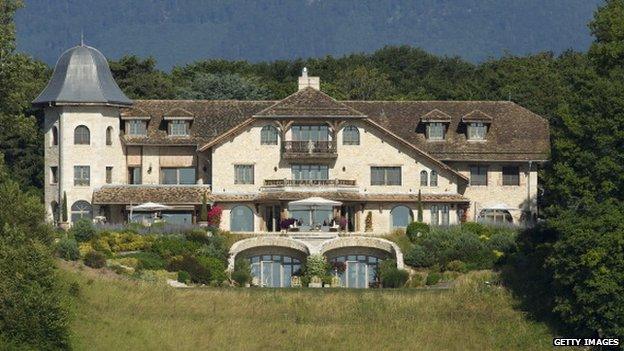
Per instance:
x=148, y=207
x=312, y=203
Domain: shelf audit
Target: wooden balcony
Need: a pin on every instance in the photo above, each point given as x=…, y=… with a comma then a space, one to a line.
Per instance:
x=308, y=149
x=309, y=183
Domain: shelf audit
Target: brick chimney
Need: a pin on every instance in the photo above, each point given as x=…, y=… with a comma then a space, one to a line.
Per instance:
x=305, y=81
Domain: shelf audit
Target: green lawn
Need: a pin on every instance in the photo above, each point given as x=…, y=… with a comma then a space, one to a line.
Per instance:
x=120, y=314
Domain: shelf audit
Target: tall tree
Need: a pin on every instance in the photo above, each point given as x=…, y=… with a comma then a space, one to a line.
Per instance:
x=140, y=79
x=21, y=79
x=607, y=51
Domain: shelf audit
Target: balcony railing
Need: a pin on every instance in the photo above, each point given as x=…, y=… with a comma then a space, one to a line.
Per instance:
x=330, y=183
x=311, y=147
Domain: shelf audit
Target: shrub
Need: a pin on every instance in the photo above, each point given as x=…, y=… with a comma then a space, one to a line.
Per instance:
x=84, y=248
x=242, y=272
x=131, y=262
x=122, y=241
x=416, y=229
x=503, y=241
x=478, y=229
x=215, y=267
x=33, y=315
x=214, y=216
x=469, y=248
x=68, y=249
x=419, y=257
x=433, y=278
x=316, y=265
x=368, y=226
x=100, y=244
x=169, y=246
x=391, y=276
x=148, y=260
x=199, y=273
x=83, y=230
x=95, y=259
x=456, y=266
x=184, y=277
x=398, y=237
x=197, y=235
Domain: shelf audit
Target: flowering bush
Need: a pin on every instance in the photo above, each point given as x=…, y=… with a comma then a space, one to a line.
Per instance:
x=214, y=216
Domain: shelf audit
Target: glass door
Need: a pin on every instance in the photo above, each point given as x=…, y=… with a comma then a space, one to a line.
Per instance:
x=357, y=274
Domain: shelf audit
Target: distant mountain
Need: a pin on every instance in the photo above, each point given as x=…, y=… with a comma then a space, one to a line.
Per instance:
x=176, y=32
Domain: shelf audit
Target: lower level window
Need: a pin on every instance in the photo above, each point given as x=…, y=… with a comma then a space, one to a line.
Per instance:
x=495, y=216
x=81, y=209
x=275, y=271
x=440, y=215
x=356, y=271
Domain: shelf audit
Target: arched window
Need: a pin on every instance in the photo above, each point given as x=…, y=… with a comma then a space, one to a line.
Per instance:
x=350, y=136
x=109, y=136
x=241, y=219
x=423, y=178
x=81, y=209
x=54, y=136
x=401, y=216
x=433, y=178
x=82, y=136
x=268, y=135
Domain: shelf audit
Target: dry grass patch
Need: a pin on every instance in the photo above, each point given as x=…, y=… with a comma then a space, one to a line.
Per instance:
x=117, y=314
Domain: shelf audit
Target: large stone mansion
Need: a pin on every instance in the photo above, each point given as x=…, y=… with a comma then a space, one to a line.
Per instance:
x=468, y=160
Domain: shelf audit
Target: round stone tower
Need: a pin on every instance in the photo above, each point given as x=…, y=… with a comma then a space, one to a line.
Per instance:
x=82, y=148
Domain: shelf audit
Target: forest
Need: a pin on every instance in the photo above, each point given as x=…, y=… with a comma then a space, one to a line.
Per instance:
x=569, y=270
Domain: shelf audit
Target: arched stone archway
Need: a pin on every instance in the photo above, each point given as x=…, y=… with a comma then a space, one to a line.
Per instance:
x=366, y=242
x=266, y=242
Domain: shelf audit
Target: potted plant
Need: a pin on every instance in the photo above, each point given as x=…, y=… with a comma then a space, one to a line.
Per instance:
x=203, y=212
x=63, y=223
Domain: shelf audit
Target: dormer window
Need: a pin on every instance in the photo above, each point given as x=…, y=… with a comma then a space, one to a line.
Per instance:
x=435, y=131
x=477, y=131
x=477, y=123
x=136, y=127
x=435, y=122
x=178, y=128
x=178, y=122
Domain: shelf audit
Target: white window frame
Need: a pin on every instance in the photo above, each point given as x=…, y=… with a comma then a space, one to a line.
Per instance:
x=242, y=178
x=477, y=131
x=436, y=131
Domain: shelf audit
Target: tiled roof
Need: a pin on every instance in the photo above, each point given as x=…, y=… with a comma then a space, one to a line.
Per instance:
x=192, y=195
x=515, y=133
x=212, y=118
x=309, y=102
x=137, y=194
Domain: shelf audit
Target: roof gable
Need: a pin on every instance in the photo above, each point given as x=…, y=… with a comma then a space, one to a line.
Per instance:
x=309, y=102
x=477, y=116
x=436, y=115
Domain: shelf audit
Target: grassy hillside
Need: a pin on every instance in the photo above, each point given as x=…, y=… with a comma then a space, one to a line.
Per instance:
x=178, y=32
x=118, y=314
